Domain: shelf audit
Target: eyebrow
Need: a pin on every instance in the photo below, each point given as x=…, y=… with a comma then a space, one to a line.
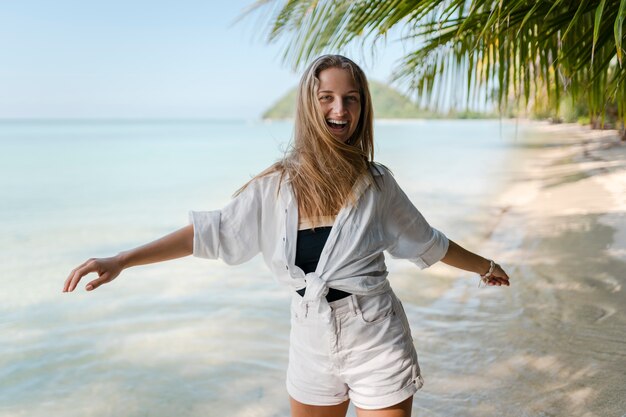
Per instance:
x=330, y=91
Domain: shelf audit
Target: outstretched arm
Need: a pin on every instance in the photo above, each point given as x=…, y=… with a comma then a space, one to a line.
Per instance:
x=460, y=257
x=175, y=245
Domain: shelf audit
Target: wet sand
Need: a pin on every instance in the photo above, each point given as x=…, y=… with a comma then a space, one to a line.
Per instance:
x=554, y=343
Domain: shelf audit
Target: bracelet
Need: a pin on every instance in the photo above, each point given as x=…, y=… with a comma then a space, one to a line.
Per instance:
x=485, y=277
x=492, y=265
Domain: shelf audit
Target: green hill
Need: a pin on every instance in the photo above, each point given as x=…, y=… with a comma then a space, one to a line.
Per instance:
x=388, y=104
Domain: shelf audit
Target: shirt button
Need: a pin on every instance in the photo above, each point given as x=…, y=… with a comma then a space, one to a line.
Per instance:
x=283, y=239
x=287, y=266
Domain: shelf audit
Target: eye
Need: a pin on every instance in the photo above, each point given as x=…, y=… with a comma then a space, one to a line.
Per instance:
x=325, y=98
x=353, y=98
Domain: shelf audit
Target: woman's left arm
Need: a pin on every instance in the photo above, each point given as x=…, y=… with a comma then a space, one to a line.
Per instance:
x=460, y=257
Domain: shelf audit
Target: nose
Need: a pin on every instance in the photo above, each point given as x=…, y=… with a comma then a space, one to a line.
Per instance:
x=339, y=108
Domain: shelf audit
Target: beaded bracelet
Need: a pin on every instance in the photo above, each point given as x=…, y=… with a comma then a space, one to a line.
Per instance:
x=485, y=277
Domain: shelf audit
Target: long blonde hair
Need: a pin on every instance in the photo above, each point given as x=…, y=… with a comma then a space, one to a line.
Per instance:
x=322, y=169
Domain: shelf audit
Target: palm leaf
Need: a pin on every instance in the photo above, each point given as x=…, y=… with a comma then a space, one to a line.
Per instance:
x=507, y=50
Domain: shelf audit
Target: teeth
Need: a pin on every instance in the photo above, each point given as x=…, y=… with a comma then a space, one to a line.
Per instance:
x=337, y=122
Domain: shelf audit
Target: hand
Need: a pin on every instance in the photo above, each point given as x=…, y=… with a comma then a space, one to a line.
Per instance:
x=498, y=277
x=107, y=268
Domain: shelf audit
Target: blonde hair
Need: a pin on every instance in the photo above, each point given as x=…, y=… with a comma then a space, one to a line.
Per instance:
x=322, y=169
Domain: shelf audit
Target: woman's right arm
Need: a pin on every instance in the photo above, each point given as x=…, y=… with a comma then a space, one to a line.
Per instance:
x=175, y=245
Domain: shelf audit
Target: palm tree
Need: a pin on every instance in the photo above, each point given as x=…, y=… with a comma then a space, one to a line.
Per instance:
x=504, y=51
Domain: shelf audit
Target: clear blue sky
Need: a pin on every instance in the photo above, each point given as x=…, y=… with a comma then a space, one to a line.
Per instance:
x=136, y=59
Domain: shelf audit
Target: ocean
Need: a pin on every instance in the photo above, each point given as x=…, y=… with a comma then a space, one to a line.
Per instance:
x=189, y=337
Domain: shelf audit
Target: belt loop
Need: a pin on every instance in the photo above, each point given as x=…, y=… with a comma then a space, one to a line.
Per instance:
x=354, y=305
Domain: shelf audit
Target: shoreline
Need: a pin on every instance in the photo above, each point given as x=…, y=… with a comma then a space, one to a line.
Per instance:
x=578, y=172
x=558, y=334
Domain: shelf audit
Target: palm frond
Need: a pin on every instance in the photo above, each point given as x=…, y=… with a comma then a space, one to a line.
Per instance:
x=506, y=51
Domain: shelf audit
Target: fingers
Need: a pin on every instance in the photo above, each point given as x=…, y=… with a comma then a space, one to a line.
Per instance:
x=499, y=278
x=498, y=281
x=106, y=277
x=503, y=277
x=72, y=280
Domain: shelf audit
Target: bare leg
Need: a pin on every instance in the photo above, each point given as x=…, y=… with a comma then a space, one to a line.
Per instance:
x=304, y=410
x=402, y=409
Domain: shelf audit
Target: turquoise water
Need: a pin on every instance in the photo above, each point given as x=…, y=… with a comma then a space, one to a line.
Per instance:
x=186, y=337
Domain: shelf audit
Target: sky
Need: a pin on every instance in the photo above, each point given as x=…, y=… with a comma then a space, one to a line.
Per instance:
x=146, y=59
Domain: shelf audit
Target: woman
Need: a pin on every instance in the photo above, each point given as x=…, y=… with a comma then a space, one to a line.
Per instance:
x=322, y=217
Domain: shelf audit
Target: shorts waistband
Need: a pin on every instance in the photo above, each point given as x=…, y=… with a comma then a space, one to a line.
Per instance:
x=349, y=305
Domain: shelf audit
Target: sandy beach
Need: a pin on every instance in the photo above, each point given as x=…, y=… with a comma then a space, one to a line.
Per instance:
x=554, y=343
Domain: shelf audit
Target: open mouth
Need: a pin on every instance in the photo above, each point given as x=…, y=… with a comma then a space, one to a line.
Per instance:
x=337, y=126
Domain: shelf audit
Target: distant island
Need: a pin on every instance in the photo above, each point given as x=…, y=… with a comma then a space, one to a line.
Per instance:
x=388, y=103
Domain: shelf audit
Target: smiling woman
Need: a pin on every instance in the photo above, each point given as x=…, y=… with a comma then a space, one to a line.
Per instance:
x=340, y=102
x=350, y=338
x=333, y=136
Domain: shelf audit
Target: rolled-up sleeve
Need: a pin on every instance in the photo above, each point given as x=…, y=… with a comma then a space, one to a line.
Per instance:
x=231, y=234
x=408, y=234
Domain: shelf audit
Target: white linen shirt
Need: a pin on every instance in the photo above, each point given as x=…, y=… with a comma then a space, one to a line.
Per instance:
x=352, y=259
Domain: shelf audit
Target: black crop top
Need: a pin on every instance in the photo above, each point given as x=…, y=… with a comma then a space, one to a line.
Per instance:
x=309, y=247
x=308, y=250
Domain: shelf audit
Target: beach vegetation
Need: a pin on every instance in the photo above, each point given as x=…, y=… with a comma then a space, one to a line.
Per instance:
x=522, y=56
x=388, y=103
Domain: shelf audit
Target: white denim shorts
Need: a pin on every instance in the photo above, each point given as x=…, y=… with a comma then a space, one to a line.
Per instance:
x=364, y=354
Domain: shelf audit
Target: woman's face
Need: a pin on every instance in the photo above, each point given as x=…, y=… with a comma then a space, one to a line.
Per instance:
x=340, y=101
